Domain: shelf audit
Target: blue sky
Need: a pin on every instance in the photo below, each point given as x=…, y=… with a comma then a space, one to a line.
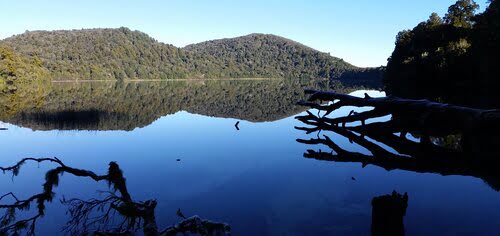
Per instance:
x=359, y=31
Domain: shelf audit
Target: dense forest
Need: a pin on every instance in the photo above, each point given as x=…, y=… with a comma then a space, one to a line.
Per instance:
x=454, y=59
x=269, y=55
x=101, y=54
x=15, y=69
x=126, y=54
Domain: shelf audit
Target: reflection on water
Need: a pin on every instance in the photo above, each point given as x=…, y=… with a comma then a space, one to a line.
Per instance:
x=115, y=213
x=390, y=146
x=182, y=150
x=129, y=105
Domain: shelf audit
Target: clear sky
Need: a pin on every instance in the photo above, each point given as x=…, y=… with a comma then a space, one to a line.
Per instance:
x=359, y=31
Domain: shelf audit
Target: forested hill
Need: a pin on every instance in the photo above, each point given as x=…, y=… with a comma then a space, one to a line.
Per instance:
x=101, y=54
x=125, y=54
x=270, y=56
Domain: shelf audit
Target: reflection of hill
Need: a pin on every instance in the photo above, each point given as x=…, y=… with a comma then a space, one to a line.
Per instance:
x=125, y=106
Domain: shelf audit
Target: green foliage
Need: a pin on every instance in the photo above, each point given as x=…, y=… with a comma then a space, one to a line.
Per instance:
x=101, y=54
x=434, y=20
x=16, y=69
x=442, y=60
x=265, y=55
x=461, y=13
x=124, y=54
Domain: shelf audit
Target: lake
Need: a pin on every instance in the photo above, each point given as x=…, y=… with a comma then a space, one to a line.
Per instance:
x=177, y=142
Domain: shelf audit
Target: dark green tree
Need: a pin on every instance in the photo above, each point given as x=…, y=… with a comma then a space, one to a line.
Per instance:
x=461, y=13
x=434, y=20
x=454, y=61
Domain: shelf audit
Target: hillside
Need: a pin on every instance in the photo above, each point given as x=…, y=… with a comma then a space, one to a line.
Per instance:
x=15, y=69
x=101, y=53
x=269, y=55
x=126, y=54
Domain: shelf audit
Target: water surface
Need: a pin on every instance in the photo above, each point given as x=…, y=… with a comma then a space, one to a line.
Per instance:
x=176, y=142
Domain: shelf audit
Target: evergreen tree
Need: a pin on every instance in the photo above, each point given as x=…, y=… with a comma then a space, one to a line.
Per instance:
x=461, y=13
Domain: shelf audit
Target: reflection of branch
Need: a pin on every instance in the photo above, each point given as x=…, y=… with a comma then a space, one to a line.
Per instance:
x=7, y=223
x=84, y=216
x=437, y=117
x=15, y=168
x=80, y=211
x=423, y=156
x=443, y=166
x=9, y=217
x=310, y=119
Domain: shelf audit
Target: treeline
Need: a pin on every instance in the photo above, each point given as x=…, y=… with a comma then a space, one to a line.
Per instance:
x=124, y=54
x=454, y=59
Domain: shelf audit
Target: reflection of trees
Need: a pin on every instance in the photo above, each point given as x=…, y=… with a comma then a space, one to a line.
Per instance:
x=128, y=105
x=419, y=117
x=117, y=213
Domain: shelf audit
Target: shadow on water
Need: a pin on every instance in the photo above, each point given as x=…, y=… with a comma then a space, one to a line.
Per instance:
x=67, y=119
x=114, y=214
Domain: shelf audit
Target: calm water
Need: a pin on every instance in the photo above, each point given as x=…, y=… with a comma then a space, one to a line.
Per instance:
x=256, y=178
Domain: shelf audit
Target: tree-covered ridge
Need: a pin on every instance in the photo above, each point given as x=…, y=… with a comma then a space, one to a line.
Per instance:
x=125, y=54
x=452, y=59
x=102, y=54
x=128, y=105
x=266, y=55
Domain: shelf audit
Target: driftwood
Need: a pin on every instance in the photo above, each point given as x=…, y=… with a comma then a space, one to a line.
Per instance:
x=95, y=216
x=421, y=118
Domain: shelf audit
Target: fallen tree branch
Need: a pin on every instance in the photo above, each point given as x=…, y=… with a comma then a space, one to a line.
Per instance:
x=429, y=114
